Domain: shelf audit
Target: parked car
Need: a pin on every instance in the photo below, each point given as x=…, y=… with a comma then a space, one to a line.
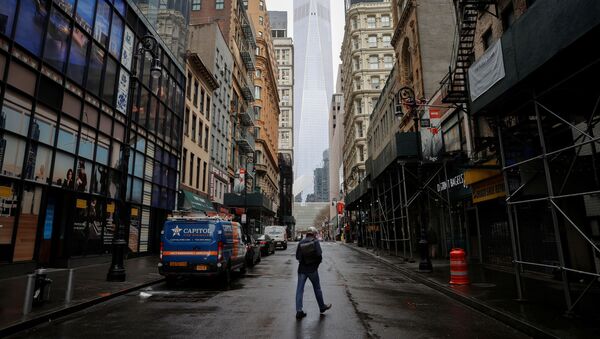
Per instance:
x=267, y=244
x=253, y=256
x=205, y=247
x=279, y=234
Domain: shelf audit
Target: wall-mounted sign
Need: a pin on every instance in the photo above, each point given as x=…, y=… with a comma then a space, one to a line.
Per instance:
x=127, y=55
x=122, y=95
x=488, y=190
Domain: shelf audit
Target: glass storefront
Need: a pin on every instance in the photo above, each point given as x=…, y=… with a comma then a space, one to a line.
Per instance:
x=64, y=75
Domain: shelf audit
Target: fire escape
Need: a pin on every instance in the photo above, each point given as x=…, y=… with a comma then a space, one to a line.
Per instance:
x=455, y=83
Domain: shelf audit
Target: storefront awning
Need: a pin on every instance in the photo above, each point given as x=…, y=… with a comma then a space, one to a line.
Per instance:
x=195, y=203
x=476, y=175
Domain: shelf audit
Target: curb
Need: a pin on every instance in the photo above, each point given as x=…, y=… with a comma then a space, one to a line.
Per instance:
x=53, y=315
x=506, y=318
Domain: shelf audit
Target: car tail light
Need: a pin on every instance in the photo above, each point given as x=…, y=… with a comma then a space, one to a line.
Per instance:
x=219, y=251
x=263, y=242
x=161, y=249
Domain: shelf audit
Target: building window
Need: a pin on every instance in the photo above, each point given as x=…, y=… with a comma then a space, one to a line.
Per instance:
x=354, y=23
x=387, y=40
x=191, y=178
x=359, y=129
x=487, y=39
x=375, y=83
x=219, y=4
x=196, y=85
x=372, y=41
x=355, y=43
x=261, y=20
x=373, y=62
x=186, y=122
x=194, y=127
x=196, y=5
x=198, y=173
x=388, y=61
x=200, y=132
x=204, y=176
x=361, y=153
x=356, y=64
x=206, y=132
x=202, y=93
x=257, y=92
x=406, y=62
x=183, y=163
x=385, y=21
x=261, y=5
x=189, y=86
x=371, y=22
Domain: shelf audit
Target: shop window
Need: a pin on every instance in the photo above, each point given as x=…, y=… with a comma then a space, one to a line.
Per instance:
x=7, y=16
x=22, y=78
x=78, y=54
x=87, y=140
x=144, y=229
x=83, y=176
x=136, y=190
x=88, y=220
x=15, y=117
x=120, y=6
x=155, y=196
x=14, y=151
x=147, y=195
x=85, y=14
x=95, y=69
x=67, y=135
x=44, y=126
x=50, y=92
x=30, y=24
x=140, y=144
x=142, y=114
x=152, y=114
x=102, y=149
x=63, y=175
x=57, y=40
x=113, y=183
x=139, y=165
x=8, y=212
x=110, y=76
x=134, y=230
x=28, y=221
x=102, y=23
x=116, y=37
x=38, y=164
x=99, y=182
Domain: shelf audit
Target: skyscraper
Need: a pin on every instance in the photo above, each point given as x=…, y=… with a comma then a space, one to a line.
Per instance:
x=314, y=87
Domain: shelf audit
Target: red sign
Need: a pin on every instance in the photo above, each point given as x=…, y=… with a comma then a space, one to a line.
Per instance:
x=434, y=114
x=340, y=207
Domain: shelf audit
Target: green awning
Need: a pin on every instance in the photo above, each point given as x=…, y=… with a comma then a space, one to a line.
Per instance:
x=195, y=203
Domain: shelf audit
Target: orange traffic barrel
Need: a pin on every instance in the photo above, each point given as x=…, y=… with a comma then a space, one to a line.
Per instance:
x=459, y=274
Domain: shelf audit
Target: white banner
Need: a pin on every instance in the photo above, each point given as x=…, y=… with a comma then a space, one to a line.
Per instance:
x=128, y=39
x=123, y=93
x=487, y=71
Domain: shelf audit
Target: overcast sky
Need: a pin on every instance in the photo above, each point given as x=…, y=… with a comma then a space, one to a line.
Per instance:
x=337, y=26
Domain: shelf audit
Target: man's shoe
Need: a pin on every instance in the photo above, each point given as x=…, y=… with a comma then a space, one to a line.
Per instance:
x=301, y=314
x=328, y=306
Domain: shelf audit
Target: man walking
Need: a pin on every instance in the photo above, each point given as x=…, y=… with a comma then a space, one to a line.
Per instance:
x=309, y=255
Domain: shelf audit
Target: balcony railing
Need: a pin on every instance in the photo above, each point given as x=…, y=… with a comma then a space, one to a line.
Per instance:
x=245, y=140
x=247, y=117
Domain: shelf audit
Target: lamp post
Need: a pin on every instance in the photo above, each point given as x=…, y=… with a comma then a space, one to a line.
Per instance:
x=407, y=97
x=116, y=271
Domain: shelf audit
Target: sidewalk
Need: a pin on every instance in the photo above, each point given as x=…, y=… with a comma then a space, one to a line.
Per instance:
x=90, y=288
x=493, y=292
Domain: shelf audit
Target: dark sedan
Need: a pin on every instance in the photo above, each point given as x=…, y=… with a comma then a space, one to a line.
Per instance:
x=267, y=244
x=252, y=251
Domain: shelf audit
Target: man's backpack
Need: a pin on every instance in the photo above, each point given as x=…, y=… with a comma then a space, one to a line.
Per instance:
x=308, y=250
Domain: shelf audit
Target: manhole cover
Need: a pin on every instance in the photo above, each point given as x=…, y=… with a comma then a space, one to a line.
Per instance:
x=483, y=285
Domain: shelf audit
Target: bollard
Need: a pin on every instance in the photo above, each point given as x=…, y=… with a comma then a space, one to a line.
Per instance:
x=28, y=294
x=69, y=293
x=459, y=274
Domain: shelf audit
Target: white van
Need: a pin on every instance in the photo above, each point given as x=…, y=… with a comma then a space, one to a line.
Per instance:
x=279, y=234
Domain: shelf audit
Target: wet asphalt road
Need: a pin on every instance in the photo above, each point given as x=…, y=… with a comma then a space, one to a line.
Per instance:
x=369, y=301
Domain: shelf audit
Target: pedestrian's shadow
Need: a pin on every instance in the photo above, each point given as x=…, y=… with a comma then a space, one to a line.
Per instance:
x=307, y=328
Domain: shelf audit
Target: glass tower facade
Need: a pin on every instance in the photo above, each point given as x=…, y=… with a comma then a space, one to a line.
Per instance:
x=314, y=87
x=65, y=69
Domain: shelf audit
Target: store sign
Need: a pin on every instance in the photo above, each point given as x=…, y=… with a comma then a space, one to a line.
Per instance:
x=458, y=180
x=122, y=95
x=488, y=190
x=127, y=56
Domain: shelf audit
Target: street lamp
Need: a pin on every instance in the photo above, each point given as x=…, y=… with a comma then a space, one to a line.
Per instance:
x=116, y=271
x=407, y=98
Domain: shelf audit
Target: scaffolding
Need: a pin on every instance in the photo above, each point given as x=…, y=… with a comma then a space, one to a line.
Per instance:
x=399, y=203
x=548, y=148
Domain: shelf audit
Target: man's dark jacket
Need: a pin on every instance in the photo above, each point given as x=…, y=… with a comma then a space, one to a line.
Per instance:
x=303, y=267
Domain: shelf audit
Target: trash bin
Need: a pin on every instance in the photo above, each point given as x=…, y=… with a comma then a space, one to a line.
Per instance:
x=41, y=290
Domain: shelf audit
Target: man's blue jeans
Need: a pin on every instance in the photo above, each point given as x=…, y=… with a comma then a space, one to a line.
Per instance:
x=314, y=279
